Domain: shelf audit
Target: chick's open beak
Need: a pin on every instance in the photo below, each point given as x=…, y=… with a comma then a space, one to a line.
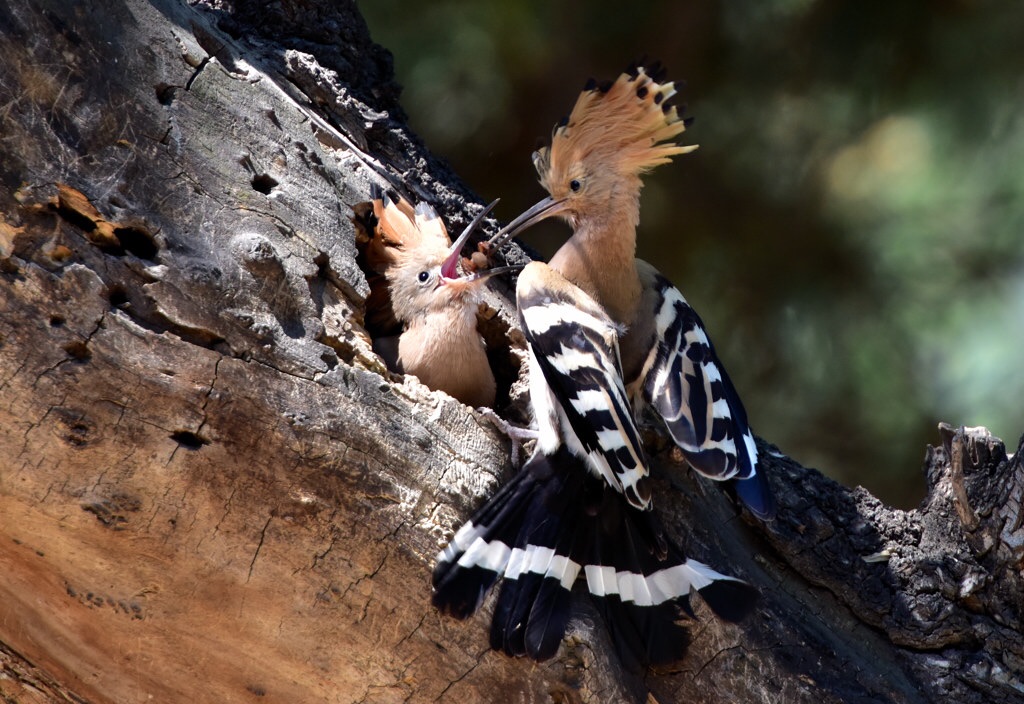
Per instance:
x=450, y=266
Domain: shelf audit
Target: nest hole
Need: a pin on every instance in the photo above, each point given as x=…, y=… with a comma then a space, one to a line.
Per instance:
x=383, y=327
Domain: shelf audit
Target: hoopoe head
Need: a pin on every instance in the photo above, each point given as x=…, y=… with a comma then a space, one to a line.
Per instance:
x=410, y=246
x=615, y=133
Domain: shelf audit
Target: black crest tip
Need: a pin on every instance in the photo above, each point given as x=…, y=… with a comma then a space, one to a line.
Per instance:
x=636, y=66
x=657, y=72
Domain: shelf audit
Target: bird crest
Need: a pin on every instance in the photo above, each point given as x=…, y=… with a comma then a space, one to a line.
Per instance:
x=627, y=125
x=397, y=232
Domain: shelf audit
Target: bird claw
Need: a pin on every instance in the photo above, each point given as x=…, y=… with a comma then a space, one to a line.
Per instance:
x=516, y=435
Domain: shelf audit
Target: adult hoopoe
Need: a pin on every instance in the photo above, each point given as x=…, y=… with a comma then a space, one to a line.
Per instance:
x=581, y=504
x=437, y=306
x=615, y=133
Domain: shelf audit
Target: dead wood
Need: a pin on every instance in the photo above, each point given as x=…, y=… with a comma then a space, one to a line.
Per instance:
x=211, y=490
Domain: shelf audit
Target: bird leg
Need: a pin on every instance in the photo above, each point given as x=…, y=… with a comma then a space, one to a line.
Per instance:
x=517, y=435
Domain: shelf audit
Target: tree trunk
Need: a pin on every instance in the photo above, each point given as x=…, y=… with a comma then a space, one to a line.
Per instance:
x=212, y=490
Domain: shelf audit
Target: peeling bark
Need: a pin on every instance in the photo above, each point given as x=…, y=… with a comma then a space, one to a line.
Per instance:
x=214, y=491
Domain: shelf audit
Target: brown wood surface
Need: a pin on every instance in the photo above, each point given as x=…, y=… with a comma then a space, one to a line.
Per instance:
x=212, y=491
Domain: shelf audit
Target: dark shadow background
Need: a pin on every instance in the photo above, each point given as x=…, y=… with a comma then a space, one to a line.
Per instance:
x=852, y=227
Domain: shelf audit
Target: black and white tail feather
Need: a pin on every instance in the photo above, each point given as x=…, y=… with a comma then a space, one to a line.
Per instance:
x=580, y=505
x=688, y=387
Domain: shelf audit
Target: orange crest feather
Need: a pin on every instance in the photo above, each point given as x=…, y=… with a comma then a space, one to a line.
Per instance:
x=626, y=127
x=399, y=232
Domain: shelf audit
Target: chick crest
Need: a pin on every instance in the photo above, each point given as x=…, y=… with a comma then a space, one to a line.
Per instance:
x=615, y=133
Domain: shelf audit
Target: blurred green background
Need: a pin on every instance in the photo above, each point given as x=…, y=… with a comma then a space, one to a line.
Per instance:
x=851, y=228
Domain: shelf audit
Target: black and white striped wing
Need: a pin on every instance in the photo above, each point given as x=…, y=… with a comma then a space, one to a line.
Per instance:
x=579, y=396
x=555, y=520
x=579, y=506
x=686, y=384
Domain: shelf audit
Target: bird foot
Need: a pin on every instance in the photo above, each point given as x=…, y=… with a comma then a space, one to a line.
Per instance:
x=516, y=435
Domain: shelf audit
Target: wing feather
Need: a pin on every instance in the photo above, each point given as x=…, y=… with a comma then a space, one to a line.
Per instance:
x=686, y=384
x=575, y=346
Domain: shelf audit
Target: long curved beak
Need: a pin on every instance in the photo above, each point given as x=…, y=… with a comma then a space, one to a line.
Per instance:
x=450, y=266
x=539, y=211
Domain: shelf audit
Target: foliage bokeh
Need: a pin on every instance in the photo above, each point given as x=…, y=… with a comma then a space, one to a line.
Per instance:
x=852, y=227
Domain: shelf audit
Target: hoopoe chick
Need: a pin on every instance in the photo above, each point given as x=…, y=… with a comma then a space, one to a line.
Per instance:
x=592, y=173
x=437, y=306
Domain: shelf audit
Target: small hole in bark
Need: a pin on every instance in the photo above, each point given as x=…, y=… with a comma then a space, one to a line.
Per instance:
x=78, y=350
x=264, y=183
x=165, y=93
x=330, y=359
x=137, y=241
x=78, y=434
x=117, y=297
x=189, y=439
x=76, y=218
x=57, y=321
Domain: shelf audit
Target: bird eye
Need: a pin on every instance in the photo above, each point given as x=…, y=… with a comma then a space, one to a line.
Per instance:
x=424, y=276
x=574, y=185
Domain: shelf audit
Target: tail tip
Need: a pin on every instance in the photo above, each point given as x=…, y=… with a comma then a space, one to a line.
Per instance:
x=756, y=495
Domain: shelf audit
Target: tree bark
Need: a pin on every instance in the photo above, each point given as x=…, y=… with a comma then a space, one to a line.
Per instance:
x=212, y=490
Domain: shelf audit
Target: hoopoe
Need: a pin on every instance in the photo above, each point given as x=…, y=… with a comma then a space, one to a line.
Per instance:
x=591, y=171
x=581, y=504
x=437, y=306
x=604, y=331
